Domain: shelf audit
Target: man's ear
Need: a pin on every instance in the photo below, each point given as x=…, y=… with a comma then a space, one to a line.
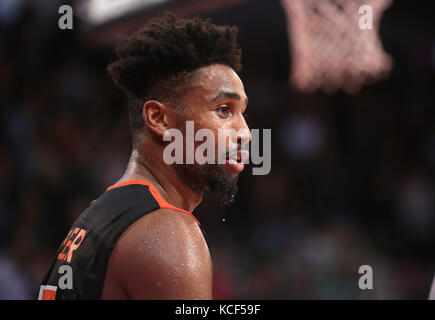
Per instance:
x=157, y=116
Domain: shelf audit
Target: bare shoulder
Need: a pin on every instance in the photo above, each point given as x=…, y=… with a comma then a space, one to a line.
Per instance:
x=163, y=255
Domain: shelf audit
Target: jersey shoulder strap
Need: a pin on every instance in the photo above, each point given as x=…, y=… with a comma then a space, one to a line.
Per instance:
x=86, y=249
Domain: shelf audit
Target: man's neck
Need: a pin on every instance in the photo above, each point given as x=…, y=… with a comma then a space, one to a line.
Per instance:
x=164, y=178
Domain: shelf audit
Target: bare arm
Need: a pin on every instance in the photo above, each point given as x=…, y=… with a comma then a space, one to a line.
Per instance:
x=161, y=256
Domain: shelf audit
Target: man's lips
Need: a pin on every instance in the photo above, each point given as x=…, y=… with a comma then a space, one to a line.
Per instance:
x=237, y=160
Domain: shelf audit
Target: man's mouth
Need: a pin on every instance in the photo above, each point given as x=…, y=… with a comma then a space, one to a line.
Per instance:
x=236, y=160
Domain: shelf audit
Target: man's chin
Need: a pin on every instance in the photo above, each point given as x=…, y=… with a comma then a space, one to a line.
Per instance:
x=219, y=179
x=222, y=180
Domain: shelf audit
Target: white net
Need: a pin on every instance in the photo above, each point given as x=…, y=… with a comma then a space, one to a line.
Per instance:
x=331, y=46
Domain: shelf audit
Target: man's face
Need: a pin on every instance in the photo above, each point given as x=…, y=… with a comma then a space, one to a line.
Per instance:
x=215, y=100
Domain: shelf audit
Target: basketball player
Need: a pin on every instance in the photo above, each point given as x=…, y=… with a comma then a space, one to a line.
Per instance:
x=139, y=239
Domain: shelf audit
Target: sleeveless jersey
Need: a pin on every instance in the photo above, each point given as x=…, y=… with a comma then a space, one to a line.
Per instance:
x=79, y=268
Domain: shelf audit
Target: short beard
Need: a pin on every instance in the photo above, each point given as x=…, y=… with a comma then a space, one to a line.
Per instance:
x=212, y=177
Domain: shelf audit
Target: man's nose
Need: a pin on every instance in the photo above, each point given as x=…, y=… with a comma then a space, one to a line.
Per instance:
x=244, y=135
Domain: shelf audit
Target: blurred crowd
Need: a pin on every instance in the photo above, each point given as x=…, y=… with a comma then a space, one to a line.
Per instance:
x=351, y=181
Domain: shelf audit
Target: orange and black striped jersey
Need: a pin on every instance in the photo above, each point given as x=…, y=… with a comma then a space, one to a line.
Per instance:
x=86, y=249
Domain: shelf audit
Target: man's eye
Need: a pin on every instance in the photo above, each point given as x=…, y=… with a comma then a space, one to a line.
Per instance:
x=224, y=111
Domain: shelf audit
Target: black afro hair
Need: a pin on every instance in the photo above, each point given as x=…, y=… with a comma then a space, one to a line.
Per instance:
x=167, y=46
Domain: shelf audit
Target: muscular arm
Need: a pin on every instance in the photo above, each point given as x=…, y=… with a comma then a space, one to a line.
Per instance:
x=163, y=255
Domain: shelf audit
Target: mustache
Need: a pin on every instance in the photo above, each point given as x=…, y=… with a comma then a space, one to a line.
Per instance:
x=239, y=147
